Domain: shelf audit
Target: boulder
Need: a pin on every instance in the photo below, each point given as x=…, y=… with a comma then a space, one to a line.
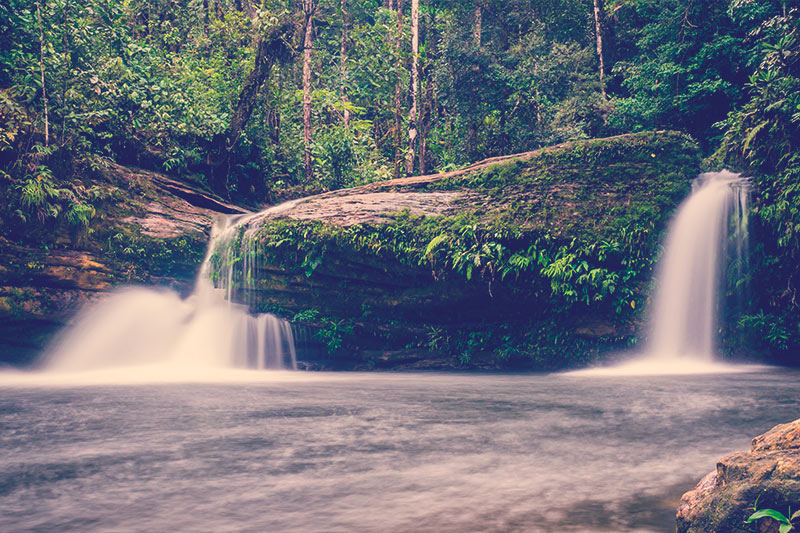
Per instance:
x=766, y=477
x=540, y=260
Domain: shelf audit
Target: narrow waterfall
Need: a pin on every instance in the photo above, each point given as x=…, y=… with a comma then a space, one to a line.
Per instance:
x=709, y=231
x=144, y=326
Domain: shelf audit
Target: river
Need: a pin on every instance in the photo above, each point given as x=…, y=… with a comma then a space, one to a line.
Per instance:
x=291, y=451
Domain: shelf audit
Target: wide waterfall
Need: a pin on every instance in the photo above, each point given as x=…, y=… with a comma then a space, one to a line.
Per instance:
x=149, y=327
x=707, y=233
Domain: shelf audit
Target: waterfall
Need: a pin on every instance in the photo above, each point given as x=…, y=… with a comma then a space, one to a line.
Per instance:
x=707, y=233
x=709, y=229
x=138, y=326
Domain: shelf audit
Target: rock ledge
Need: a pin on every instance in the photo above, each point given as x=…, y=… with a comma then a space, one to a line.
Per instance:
x=769, y=473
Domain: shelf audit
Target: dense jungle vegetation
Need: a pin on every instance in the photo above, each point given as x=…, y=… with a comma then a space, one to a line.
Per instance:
x=258, y=101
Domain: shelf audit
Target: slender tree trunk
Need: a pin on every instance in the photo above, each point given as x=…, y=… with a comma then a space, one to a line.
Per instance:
x=477, y=28
x=41, y=72
x=428, y=106
x=598, y=31
x=275, y=116
x=271, y=48
x=398, y=92
x=425, y=124
x=343, y=65
x=249, y=9
x=412, y=115
x=205, y=17
x=218, y=9
x=309, y=9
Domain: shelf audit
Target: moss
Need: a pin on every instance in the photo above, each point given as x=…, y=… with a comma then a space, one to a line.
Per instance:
x=138, y=257
x=540, y=243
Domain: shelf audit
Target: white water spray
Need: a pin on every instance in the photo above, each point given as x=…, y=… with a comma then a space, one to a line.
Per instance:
x=708, y=230
x=684, y=319
x=137, y=327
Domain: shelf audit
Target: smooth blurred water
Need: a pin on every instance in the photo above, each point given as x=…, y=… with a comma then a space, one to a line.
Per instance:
x=373, y=452
x=698, y=248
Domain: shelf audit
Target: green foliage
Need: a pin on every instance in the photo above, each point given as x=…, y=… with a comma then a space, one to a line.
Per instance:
x=333, y=333
x=767, y=331
x=784, y=524
x=38, y=198
x=141, y=257
x=687, y=69
x=307, y=315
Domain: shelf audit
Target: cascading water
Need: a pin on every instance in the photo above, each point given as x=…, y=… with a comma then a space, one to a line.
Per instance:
x=684, y=315
x=708, y=232
x=142, y=326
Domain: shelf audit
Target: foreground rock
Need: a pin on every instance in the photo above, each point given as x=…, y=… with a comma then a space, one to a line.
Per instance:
x=768, y=474
x=149, y=230
x=538, y=260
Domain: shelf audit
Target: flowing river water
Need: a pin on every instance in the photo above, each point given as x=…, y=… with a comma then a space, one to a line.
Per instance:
x=284, y=451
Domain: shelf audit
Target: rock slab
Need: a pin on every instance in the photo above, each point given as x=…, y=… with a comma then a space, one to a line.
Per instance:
x=768, y=473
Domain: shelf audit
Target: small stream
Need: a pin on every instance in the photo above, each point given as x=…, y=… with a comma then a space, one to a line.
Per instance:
x=283, y=451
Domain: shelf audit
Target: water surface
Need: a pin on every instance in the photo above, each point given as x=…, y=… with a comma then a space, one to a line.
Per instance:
x=373, y=452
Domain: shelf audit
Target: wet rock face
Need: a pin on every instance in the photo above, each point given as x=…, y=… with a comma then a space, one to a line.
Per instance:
x=769, y=474
x=451, y=265
x=153, y=232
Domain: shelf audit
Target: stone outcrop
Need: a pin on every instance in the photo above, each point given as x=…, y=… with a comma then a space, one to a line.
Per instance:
x=150, y=229
x=767, y=476
x=385, y=262
x=358, y=266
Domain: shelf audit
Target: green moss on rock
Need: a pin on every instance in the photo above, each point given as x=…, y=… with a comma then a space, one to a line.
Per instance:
x=542, y=260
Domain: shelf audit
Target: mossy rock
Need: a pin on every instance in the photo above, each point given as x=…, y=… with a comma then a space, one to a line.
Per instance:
x=523, y=256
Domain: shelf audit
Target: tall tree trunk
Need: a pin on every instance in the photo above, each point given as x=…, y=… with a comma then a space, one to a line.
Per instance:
x=309, y=9
x=271, y=48
x=478, y=24
x=398, y=92
x=598, y=31
x=425, y=125
x=343, y=65
x=218, y=9
x=41, y=72
x=249, y=9
x=412, y=115
x=428, y=105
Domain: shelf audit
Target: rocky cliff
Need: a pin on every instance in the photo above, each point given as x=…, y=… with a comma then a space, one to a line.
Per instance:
x=767, y=476
x=147, y=229
x=536, y=260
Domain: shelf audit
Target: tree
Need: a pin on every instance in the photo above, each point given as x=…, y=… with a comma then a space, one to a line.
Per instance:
x=41, y=71
x=274, y=46
x=343, y=65
x=398, y=91
x=309, y=10
x=477, y=24
x=599, y=10
x=412, y=115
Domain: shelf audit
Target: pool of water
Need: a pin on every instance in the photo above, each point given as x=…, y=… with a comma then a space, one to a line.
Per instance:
x=372, y=452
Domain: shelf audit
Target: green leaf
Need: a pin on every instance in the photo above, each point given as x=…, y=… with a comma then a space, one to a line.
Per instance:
x=436, y=242
x=771, y=513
